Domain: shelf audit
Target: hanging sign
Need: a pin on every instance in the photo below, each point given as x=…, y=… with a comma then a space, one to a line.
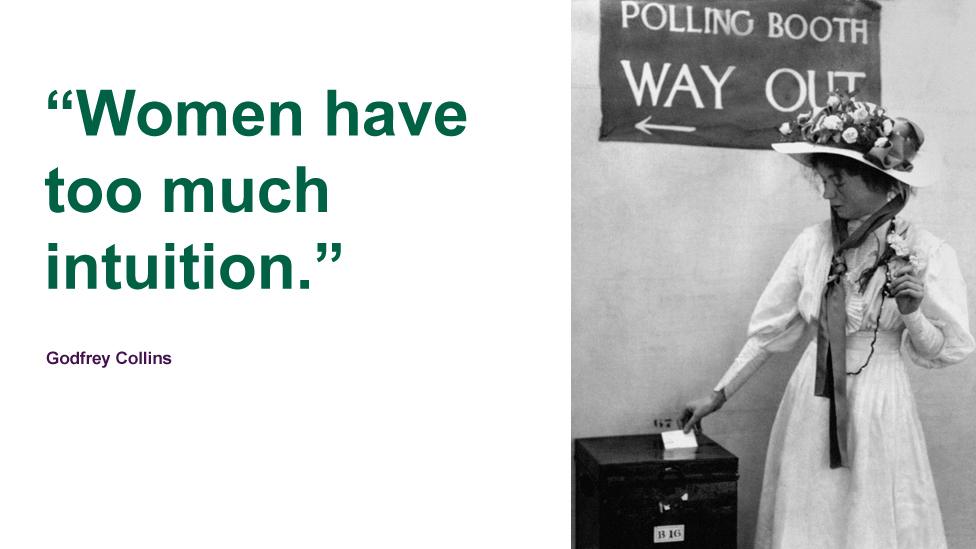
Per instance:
x=727, y=73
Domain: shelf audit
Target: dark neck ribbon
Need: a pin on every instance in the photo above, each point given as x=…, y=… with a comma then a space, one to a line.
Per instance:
x=831, y=380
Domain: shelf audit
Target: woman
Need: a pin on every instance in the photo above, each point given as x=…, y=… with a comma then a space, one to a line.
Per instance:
x=847, y=465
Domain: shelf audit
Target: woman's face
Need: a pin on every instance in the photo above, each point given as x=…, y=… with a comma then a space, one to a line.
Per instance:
x=848, y=193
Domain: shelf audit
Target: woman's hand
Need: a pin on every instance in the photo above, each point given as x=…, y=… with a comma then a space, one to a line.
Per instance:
x=697, y=409
x=907, y=287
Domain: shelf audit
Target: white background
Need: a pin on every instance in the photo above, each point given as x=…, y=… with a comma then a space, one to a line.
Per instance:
x=416, y=396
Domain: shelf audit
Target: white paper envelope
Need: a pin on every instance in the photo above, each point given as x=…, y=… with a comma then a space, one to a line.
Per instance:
x=679, y=439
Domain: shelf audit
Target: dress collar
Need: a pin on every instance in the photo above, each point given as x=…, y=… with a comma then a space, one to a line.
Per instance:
x=881, y=233
x=853, y=224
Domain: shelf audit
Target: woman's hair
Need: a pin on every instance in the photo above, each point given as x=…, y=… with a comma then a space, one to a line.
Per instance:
x=876, y=180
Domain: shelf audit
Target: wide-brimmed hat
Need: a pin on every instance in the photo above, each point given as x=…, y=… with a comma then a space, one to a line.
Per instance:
x=860, y=131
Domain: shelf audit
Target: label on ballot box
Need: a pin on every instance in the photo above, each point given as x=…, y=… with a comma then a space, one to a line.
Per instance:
x=669, y=533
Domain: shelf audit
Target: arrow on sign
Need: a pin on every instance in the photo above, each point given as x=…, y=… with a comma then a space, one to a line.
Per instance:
x=646, y=127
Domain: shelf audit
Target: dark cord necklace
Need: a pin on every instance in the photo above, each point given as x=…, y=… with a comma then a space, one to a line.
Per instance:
x=886, y=251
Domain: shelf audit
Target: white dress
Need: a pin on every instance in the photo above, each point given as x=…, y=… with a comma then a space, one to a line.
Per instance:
x=886, y=498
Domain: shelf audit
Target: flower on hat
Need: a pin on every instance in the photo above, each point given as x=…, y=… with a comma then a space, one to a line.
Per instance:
x=886, y=126
x=832, y=122
x=886, y=143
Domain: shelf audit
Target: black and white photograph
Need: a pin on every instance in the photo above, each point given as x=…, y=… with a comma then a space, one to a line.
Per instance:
x=773, y=266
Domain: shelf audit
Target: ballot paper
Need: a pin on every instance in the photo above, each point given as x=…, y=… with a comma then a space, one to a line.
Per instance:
x=677, y=439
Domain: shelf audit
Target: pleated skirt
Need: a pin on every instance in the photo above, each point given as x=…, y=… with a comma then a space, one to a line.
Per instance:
x=886, y=499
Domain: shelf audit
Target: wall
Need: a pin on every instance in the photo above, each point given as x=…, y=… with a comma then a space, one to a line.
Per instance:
x=672, y=245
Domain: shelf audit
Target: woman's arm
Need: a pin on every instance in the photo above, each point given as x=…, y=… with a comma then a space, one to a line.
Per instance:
x=926, y=338
x=775, y=325
x=697, y=409
x=937, y=323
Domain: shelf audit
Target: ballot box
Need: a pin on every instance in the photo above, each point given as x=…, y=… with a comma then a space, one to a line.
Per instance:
x=632, y=493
